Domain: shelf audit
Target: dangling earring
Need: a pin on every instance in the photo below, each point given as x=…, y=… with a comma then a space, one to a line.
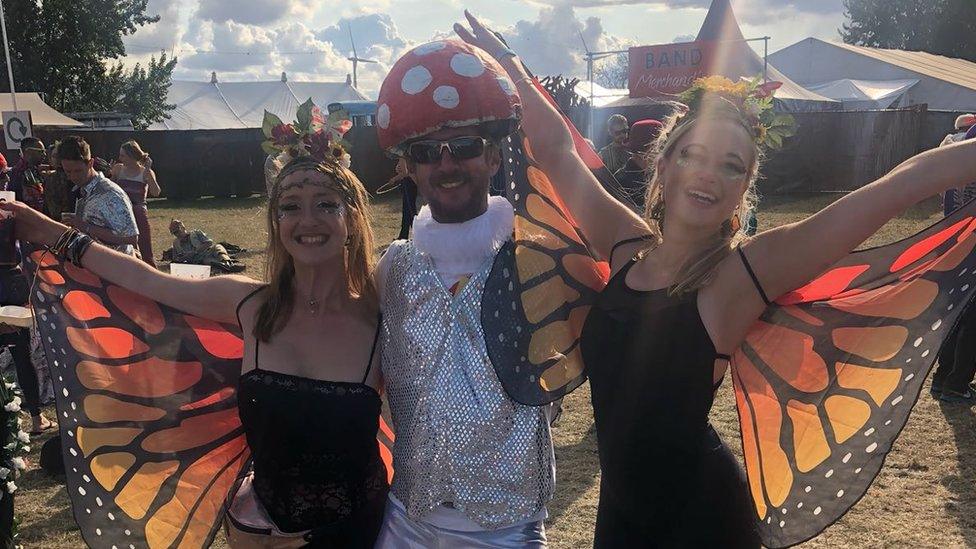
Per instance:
x=735, y=223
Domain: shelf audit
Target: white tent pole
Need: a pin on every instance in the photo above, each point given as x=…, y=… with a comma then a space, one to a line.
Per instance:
x=6, y=52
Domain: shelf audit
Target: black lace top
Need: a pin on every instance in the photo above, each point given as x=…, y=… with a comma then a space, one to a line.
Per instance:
x=316, y=461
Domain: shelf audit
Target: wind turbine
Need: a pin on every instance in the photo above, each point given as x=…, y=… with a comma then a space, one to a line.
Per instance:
x=356, y=59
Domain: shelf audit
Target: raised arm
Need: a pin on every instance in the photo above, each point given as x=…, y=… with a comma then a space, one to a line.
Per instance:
x=153, y=185
x=213, y=298
x=603, y=220
x=790, y=256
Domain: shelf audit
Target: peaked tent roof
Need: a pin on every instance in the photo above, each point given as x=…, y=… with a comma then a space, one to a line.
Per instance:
x=957, y=71
x=945, y=83
x=222, y=105
x=42, y=114
x=740, y=60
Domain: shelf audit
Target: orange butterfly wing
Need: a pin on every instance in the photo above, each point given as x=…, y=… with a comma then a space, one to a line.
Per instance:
x=541, y=286
x=826, y=380
x=153, y=445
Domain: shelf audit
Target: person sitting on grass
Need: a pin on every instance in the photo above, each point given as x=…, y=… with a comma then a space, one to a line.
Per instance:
x=197, y=248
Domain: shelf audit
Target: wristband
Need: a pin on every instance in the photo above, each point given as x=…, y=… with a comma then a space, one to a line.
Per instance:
x=59, y=247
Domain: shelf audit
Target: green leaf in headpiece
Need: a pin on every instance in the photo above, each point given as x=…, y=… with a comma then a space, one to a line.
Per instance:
x=269, y=148
x=270, y=121
x=304, y=117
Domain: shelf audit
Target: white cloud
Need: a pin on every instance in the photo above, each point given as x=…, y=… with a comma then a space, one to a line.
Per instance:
x=233, y=47
x=258, y=39
x=375, y=29
x=254, y=12
x=551, y=44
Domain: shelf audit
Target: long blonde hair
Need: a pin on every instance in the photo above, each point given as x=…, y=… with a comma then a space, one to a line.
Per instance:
x=699, y=270
x=280, y=268
x=134, y=151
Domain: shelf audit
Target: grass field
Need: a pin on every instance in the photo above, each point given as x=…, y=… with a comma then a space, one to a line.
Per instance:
x=924, y=497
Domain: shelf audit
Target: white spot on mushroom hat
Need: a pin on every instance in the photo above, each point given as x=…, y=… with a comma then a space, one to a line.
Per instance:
x=444, y=84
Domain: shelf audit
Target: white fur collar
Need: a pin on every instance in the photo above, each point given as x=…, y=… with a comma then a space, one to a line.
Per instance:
x=459, y=249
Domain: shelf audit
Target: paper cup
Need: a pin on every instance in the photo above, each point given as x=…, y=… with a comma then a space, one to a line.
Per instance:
x=9, y=196
x=187, y=270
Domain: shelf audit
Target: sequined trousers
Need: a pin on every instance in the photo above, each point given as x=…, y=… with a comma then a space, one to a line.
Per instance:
x=460, y=440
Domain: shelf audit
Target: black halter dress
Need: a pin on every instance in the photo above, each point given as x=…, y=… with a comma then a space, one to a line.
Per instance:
x=667, y=478
x=316, y=460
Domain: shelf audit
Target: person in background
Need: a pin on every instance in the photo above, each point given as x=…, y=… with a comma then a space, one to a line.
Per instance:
x=952, y=381
x=14, y=291
x=197, y=248
x=58, y=198
x=633, y=175
x=964, y=122
x=26, y=179
x=134, y=174
x=615, y=154
x=103, y=210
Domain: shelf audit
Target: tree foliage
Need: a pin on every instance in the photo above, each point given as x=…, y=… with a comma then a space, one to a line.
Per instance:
x=612, y=72
x=942, y=27
x=65, y=48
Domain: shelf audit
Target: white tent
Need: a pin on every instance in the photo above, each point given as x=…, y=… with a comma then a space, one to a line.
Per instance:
x=221, y=105
x=740, y=60
x=41, y=113
x=859, y=95
x=601, y=96
x=943, y=83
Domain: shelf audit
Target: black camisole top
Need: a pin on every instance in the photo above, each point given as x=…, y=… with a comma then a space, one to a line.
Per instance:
x=315, y=455
x=667, y=478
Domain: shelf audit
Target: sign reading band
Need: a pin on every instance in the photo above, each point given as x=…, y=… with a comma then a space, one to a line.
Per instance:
x=668, y=69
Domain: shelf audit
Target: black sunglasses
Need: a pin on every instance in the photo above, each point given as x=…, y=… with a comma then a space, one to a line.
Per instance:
x=461, y=148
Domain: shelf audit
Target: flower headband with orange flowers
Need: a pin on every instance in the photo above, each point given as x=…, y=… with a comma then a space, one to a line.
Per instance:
x=753, y=100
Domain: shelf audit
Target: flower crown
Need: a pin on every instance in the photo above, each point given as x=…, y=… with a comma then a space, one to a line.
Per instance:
x=311, y=134
x=753, y=99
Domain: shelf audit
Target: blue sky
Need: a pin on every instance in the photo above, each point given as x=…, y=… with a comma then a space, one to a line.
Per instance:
x=259, y=39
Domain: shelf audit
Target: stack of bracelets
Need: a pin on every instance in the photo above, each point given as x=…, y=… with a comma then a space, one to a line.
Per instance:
x=71, y=245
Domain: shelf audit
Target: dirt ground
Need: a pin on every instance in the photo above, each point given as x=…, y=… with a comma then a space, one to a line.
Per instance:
x=924, y=497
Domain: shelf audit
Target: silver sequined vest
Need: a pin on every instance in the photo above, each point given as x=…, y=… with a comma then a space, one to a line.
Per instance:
x=460, y=440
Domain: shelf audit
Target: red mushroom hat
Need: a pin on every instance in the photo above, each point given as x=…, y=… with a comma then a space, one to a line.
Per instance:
x=444, y=84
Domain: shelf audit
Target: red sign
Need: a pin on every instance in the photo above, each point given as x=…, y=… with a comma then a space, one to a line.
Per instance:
x=667, y=69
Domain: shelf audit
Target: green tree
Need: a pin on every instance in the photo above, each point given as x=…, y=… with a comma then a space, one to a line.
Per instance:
x=941, y=27
x=63, y=48
x=145, y=89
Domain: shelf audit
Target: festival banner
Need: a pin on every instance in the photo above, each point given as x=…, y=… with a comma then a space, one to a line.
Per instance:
x=668, y=69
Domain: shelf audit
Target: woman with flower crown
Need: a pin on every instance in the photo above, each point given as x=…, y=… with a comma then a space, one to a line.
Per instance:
x=308, y=393
x=686, y=288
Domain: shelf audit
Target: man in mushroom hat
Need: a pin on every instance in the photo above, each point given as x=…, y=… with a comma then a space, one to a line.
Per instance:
x=473, y=457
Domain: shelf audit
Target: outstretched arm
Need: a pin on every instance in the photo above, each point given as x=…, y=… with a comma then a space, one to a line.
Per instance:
x=213, y=298
x=792, y=255
x=603, y=220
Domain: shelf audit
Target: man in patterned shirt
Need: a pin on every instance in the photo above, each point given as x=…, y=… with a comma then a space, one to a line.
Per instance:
x=103, y=211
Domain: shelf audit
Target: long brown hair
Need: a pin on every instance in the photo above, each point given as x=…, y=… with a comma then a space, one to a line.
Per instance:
x=280, y=268
x=699, y=270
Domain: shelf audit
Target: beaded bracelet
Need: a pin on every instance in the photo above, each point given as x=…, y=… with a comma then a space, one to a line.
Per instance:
x=62, y=242
x=77, y=248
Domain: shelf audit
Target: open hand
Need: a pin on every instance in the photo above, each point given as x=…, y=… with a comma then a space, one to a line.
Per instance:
x=31, y=225
x=480, y=36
